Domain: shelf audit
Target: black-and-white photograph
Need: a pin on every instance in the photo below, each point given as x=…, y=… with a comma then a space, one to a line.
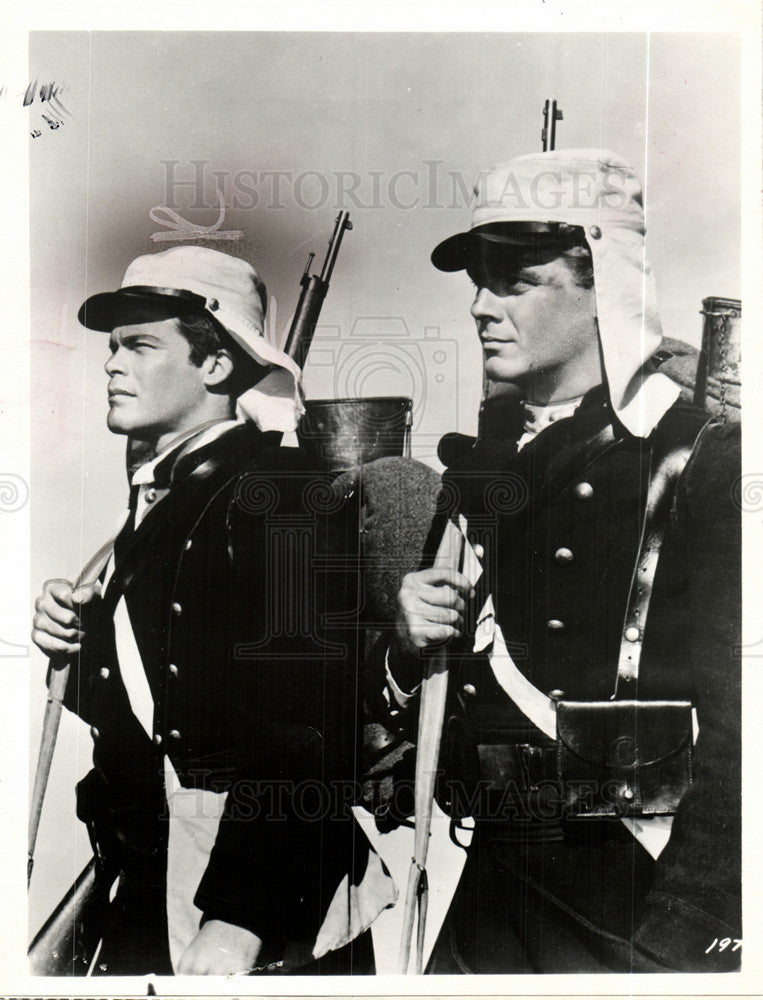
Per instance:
x=386, y=502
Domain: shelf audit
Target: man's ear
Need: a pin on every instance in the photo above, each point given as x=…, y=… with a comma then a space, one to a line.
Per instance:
x=217, y=368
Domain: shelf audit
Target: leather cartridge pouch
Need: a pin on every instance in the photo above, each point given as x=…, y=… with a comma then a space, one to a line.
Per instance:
x=623, y=758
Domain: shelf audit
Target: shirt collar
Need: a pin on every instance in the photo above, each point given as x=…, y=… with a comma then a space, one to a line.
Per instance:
x=539, y=416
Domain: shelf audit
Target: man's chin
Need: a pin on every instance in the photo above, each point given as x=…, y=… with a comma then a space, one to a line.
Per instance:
x=116, y=425
x=500, y=370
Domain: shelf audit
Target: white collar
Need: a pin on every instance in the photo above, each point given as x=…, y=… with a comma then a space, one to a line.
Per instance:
x=538, y=416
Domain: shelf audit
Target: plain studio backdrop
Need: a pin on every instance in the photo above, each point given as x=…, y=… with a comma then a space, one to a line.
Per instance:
x=291, y=128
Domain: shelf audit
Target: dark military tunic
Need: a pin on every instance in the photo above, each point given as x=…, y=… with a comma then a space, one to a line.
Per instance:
x=240, y=589
x=560, y=521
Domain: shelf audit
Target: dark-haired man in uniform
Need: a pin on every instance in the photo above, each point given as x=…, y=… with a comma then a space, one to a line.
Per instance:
x=208, y=721
x=593, y=727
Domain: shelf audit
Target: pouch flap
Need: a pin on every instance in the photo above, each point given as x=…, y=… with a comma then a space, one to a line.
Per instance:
x=624, y=735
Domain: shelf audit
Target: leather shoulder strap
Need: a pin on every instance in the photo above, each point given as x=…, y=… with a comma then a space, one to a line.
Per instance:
x=672, y=444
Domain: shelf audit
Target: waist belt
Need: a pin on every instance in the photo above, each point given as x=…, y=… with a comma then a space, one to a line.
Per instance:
x=524, y=765
x=612, y=759
x=519, y=790
x=513, y=784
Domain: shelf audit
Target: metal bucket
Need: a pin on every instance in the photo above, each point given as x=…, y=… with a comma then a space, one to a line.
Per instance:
x=340, y=434
x=718, y=385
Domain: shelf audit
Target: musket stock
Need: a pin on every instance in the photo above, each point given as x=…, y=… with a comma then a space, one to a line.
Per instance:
x=66, y=943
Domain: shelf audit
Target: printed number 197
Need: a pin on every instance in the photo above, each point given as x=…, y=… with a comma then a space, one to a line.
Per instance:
x=723, y=944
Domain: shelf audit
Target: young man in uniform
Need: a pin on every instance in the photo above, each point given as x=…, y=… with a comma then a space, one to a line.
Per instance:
x=217, y=695
x=600, y=638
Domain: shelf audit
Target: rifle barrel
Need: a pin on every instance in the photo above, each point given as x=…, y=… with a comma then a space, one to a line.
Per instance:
x=554, y=118
x=342, y=223
x=313, y=293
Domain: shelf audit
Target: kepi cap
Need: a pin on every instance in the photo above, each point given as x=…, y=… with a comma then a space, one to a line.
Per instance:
x=524, y=206
x=188, y=280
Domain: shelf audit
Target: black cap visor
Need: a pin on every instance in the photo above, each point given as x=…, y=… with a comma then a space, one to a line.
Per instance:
x=511, y=240
x=138, y=304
